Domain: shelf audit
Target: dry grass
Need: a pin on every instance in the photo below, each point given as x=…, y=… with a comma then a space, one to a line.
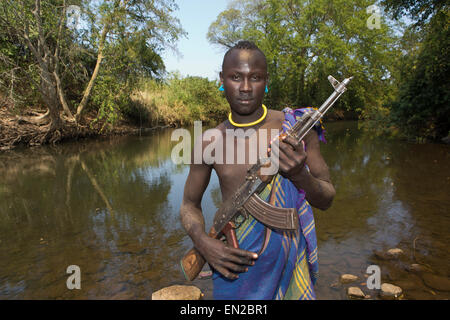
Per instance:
x=159, y=109
x=181, y=101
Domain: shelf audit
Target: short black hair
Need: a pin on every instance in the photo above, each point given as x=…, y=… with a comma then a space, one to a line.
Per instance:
x=243, y=45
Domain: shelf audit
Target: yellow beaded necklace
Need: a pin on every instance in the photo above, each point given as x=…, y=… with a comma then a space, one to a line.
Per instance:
x=251, y=123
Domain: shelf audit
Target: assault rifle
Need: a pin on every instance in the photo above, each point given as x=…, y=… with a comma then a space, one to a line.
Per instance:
x=246, y=200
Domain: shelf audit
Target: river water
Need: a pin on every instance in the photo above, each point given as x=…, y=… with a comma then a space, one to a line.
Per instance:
x=111, y=208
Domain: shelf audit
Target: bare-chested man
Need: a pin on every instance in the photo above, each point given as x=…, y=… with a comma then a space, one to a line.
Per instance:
x=269, y=264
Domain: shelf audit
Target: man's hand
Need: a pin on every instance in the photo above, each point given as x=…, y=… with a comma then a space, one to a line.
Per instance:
x=291, y=156
x=224, y=258
x=291, y=163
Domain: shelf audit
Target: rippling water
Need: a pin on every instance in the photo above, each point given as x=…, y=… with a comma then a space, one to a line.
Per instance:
x=111, y=207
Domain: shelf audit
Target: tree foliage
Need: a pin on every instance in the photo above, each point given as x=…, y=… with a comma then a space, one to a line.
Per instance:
x=418, y=10
x=422, y=105
x=115, y=41
x=304, y=41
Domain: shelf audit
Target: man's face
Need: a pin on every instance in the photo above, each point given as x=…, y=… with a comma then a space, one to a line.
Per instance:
x=244, y=77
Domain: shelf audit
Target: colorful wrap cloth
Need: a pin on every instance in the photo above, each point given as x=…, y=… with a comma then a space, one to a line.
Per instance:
x=287, y=266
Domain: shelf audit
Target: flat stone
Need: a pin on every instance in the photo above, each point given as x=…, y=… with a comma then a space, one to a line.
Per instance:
x=436, y=282
x=355, y=292
x=389, y=291
x=394, y=253
x=178, y=292
x=348, y=278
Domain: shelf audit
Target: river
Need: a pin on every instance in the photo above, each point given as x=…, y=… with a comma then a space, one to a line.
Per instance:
x=111, y=207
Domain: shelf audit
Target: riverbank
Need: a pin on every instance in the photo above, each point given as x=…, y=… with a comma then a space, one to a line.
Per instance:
x=15, y=131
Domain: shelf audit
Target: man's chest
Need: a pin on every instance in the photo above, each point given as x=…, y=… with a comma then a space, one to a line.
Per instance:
x=239, y=151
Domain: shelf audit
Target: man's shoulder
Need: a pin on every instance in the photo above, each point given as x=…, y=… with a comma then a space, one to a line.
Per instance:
x=275, y=118
x=276, y=114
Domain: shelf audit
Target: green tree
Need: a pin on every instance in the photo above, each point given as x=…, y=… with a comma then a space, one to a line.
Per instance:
x=304, y=41
x=129, y=34
x=418, y=10
x=422, y=106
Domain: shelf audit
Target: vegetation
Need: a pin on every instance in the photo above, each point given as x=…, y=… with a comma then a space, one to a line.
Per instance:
x=305, y=41
x=421, y=109
x=178, y=101
x=400, y=83
x=68, y=62
x=56, y=73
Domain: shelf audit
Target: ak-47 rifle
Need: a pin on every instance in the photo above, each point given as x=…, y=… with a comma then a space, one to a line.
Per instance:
x=246, y=200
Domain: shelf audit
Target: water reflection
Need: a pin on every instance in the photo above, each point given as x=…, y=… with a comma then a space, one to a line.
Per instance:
x=377, y=207
x=111, y=207
x=105, y=206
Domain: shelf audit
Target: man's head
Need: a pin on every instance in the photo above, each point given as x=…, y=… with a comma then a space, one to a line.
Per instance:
x=244, y=77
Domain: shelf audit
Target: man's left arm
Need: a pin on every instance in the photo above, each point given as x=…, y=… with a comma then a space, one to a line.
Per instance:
x=316, y=181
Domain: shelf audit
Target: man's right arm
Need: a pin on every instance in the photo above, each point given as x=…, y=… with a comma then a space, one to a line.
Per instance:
x=222, y=257
x=191, y=211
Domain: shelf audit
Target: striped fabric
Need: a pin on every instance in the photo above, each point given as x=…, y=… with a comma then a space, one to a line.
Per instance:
x=287, y=266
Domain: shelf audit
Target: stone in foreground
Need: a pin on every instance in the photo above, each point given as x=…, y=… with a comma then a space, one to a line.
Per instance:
x=355, y=293
x=178, y=292
x=348, y=278
x=389, y=291
x=418, y=268
x=394, y=253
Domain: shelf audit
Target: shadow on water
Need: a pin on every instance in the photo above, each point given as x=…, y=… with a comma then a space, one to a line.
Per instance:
x=111, y=207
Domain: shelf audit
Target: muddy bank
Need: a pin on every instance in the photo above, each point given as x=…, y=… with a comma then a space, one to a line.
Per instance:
x=15, y=131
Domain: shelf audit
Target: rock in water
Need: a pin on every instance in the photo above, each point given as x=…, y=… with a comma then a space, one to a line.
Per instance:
x=355, y=292
x=348, y=278
x=418, y=268
x=389, y=291
x=394, y=253
x=436, y=282
x=178, y=292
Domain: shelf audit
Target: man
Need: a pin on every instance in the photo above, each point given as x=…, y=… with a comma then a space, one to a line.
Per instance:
x=269, y=264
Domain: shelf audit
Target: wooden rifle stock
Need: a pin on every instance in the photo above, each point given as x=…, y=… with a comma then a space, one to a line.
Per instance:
x=193, y=262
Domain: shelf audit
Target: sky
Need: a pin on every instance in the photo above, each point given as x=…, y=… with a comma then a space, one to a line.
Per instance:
x=198, y=56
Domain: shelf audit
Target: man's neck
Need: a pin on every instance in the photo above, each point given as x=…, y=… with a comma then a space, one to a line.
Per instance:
x=248, y=118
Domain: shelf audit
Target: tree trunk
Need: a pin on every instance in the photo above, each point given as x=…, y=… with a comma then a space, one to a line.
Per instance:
x=62, y=98
x=50, y=97
x=90, y=85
